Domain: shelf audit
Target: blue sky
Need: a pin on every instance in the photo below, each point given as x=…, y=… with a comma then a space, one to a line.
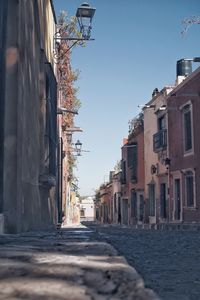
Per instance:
x=137, y=44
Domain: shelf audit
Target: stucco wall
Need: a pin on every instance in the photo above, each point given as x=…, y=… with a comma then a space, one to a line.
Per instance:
x=179, y=161
x=27, y=206
x=150, y=157
x=88, y=206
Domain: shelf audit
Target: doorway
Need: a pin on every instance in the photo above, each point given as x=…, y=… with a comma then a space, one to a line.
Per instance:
x=163, y=201
x=177, y=199
x=125, y=211
x=152, y=200
x=119, y=210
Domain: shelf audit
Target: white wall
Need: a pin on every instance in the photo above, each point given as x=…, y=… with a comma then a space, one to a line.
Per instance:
x=87, y=205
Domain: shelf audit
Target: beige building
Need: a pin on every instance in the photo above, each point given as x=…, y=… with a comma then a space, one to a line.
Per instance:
x=155, y=155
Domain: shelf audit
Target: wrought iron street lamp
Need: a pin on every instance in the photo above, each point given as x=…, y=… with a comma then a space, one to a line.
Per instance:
x=78, y=147
x=85, y=14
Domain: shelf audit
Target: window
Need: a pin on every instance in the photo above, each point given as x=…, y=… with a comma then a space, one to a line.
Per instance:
x=123, y=174
x=132, y=161
x=187, y=128
x=189, y=186
x=161, y=123
x=82, y=212
x=132, y=155
x=160, y=140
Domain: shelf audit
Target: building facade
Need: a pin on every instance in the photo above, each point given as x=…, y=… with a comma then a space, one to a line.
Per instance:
x=155, y=157
x=160, y=160
x=28, y=137
x=87, y=209
x=106, y=205
x=183, y=106
x=132, y=179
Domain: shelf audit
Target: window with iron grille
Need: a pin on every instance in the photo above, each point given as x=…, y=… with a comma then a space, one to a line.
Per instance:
x=132, y=155
x=189, y=186
x=160, y=140
x=132, y=161
x=162, y=123
x=82, y=212
x=123, y=174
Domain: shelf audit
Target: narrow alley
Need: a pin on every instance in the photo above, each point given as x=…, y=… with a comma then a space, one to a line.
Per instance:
x=99, y=150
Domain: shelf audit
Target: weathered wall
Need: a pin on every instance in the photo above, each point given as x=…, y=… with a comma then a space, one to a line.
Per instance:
x=179, y=160
x=27, y=204
x=150, y=157
x=3, y=32
x=88, y=205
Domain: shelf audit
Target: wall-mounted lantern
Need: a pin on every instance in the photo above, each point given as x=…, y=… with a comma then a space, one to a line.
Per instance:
x=85, y=14
x=78, y=147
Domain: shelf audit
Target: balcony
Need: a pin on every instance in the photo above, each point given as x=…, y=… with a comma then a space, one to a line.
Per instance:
x=160, y=140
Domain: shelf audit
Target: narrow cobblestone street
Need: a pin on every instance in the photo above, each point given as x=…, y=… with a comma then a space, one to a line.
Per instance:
x=168, y=261
x=68, y=264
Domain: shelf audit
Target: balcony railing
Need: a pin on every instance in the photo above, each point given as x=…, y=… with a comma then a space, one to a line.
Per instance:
x=160, y=140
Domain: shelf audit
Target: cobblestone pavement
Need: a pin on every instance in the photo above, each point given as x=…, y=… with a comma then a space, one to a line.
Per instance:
x=168, y=261
x=71, y=264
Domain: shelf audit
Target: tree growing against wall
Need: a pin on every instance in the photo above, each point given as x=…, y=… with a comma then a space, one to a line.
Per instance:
x=67, y=78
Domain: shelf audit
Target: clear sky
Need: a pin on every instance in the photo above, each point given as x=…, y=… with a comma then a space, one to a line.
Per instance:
x=137, y=44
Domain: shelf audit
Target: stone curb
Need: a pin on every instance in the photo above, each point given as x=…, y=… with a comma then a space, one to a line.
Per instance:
x=163, y=226
x=61, y=265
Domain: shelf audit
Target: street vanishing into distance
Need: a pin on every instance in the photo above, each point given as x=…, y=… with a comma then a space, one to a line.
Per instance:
x=168, y=261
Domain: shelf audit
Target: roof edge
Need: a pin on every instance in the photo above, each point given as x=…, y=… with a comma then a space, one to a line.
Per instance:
x=185, y=81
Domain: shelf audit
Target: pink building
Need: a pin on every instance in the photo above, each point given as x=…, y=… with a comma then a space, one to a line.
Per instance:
x=183, y=108
x=132, y=190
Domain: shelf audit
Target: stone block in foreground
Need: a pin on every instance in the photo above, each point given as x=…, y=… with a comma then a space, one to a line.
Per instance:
x=51, y=266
